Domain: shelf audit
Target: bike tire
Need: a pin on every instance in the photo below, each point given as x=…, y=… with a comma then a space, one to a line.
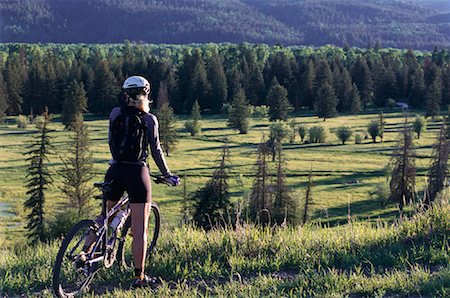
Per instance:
x=125, y=261
x=77, y=234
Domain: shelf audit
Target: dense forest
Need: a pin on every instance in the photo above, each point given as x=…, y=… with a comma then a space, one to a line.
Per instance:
x=34, y=76
x=401, y=24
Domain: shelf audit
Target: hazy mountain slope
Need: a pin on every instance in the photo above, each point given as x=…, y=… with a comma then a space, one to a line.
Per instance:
x=356, y=22
x=151, y=21
x=315, y=22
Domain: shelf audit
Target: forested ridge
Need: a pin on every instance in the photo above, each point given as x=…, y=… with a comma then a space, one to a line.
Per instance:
x=352, y=79
x=400, y=24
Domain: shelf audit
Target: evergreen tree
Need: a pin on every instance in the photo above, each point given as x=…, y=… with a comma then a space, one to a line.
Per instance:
x=278, y=101
x=355, y=100
x=75, y=104
x=218, y=81
x=106, y=91
x=234, y=77
x=362, y=77
x=194, y=126
x=434, y=97
x=260, y=200
x=308, y=84
x=199, y=87
x=168, y=133
x=212, y=202
x=403, y=177
x=34, y=95
x=323, y=73
x=417, y=93
x=240, y=113
x=77, y=171
x=195, y=112
x=3, y=99
x=285, y=207
x=14, y=79
x=38, y=178
x=326, y=102
x=163, y=95
x=253, y=79
x=345, y=90
x=438, y=170
x=386, y=86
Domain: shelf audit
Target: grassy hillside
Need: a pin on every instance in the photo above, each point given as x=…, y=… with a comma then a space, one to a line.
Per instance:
x=402, y=24
x=334, y=167
x=406, y=259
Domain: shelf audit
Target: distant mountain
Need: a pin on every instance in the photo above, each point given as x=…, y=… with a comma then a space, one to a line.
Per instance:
x=402, y=24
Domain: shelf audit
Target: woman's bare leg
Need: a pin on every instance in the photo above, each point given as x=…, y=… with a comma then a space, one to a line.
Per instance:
x=139, y=226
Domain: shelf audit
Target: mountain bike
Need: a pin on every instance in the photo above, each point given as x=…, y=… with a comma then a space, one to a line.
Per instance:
x=93, y=244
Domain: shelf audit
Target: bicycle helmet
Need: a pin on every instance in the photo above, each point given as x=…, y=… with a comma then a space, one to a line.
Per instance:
x=134, y=86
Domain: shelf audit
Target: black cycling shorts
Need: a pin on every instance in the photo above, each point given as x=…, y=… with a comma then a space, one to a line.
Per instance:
x=134, y=179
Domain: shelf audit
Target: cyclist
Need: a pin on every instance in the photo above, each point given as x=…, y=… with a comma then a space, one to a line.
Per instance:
x=132, y=129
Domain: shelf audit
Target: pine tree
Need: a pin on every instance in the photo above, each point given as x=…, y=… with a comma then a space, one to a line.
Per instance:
x=194, y=125
x=438, y=170
x=434, y=97
x=240, y=113
x=163, y=95
x=403, y=176
x=355, y=99
x=199, y=87
x=285, y=207
x=417, y=92
x=326, y=101
x=362, y=77
x=77, y=169
x=3, y=99
x=278, y=101
x=34, y=95
x=260, y=200
x=168, y=134
x=308, y=84
x=212, y=202
x=75, y=104
x=253, y=79
x=218, y=81
x=344, y=92
x=38, y=179
x=106, y=91
x=14, y=79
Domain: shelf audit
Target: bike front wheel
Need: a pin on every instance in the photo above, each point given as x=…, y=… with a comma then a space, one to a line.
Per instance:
x=73, y=272
x=124, y=248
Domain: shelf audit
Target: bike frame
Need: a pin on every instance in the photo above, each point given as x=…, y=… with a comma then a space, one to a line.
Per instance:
x=102, y=231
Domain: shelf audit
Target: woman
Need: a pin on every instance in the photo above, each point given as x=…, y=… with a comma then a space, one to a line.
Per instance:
x=132, y=130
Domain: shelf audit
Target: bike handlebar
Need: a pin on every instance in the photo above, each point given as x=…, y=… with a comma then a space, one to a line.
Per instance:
x=160, y=179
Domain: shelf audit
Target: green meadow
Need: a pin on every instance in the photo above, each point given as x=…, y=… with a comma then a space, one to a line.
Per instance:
x=354, y=245
x=334, y=166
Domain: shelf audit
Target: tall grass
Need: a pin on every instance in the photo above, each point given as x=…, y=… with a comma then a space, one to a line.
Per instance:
x=409, y=257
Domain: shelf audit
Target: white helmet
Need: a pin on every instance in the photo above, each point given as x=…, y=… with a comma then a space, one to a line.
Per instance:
x=133, y=86
x=136, y=82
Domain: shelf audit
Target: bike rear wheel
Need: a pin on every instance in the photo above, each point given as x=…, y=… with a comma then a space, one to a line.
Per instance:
x=124, y=254
x=72, y=274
